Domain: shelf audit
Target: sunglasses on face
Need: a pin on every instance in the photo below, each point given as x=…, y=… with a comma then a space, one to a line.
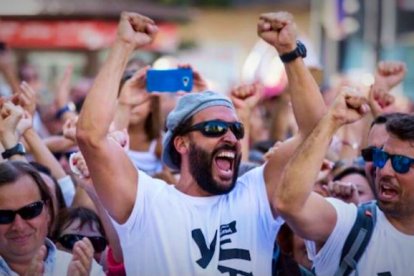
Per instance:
x=69, y=240
x=400, y=163
x=366, y=153
x=217, y=128
x=26, y=212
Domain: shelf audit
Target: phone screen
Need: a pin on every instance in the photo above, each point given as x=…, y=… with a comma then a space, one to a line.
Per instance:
x=172, y=80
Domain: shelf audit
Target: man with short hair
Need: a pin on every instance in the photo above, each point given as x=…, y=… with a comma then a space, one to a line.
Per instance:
x=26, y=213
x=377, y=136
x=327, y=222
x=210, y=223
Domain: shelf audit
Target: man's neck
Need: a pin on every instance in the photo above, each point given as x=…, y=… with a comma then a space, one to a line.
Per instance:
x=403, y=224
x=19, y=266
x=187, y=185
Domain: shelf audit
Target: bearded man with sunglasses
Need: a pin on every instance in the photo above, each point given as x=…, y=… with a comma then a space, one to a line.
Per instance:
x=327, y=222
x=210, y=223
x=26, y=214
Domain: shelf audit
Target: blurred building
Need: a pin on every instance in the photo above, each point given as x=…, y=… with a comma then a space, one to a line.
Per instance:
x=80, y=26
x=52, y=34
x=353, y=35
x=215, y=36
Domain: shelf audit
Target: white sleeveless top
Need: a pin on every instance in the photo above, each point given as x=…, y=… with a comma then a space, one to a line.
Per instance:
x=146, y=161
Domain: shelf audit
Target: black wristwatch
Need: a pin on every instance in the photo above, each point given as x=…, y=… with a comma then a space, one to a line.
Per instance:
x=17, y=149
x=300, y=51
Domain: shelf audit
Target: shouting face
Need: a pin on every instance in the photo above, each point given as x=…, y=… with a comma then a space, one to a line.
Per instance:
x=214, y=153
x=215, y=172
x=395, y=191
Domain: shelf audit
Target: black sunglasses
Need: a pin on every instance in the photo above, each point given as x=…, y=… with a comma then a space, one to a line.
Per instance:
x=26, y=212
x=216, y=128
x=400, y=163
x=366, y=153
x=69, y=240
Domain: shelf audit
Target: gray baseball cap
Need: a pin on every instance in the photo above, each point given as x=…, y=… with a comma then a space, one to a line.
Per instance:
x=187, y=106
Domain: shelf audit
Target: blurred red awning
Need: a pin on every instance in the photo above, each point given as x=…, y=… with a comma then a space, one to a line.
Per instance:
x=74, y=34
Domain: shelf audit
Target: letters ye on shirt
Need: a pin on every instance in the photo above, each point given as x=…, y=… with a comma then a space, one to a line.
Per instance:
x=207, y=249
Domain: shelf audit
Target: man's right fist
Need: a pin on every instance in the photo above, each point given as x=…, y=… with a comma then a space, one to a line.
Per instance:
x=136, y=30
x=279, y=30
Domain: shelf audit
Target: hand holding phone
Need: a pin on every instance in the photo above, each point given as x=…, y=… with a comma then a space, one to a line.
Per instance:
x=171, y=80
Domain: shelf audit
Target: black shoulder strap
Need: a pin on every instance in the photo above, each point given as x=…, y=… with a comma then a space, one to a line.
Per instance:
x=358, y=238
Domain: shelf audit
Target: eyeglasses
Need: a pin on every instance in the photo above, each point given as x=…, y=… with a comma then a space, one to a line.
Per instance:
x=400, y=163
x=69, y=240
x=366, y=153
x=27, y=212
x=216, y=128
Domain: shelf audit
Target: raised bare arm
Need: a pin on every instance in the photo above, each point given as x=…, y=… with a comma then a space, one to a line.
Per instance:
x=279, y=30
x=110, y=168
x=307, y=213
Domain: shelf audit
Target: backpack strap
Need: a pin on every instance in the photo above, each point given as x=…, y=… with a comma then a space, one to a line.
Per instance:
x=358, y=238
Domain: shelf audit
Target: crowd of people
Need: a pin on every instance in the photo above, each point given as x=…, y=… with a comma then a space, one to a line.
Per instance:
x=227, y=187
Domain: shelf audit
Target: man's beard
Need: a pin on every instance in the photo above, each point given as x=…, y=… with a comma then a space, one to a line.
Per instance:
x=201, y=163
x=400, y=209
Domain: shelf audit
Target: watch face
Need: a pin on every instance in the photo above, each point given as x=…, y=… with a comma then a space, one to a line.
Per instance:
x=21, y=148
x=301, y=49
x=18, y=149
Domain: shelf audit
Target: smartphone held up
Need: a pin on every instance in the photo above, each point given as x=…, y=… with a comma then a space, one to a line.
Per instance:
x=170, y=80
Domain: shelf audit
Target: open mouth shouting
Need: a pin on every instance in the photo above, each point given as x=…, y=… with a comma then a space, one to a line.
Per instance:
x=215, y=172
x=224, y=161
x=388, y=192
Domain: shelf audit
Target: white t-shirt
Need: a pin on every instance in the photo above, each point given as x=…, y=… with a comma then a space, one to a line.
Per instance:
x=389, y=251
x=171, y=233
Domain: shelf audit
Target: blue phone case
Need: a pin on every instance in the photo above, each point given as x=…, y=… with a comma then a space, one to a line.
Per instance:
x=171, y=80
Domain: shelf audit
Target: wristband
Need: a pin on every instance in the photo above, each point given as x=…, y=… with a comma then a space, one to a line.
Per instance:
x=17, y=149
x=300, y=51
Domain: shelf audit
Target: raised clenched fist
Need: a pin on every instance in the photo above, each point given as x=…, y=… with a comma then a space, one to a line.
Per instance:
x=136, y=30
x=279, y=30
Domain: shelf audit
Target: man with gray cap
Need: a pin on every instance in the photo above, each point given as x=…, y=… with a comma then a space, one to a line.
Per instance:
x=210, y=222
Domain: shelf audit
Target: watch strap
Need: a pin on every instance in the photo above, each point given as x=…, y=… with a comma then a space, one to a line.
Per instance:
x=17, y=149
x=299, y=51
